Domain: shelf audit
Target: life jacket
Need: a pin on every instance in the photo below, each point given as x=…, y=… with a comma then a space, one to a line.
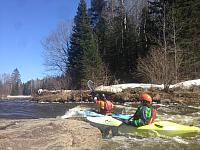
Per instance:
x=106, y=107
x=153, y=116
x=146, y=119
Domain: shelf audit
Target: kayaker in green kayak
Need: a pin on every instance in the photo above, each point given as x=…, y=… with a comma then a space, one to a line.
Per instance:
x=145, y=113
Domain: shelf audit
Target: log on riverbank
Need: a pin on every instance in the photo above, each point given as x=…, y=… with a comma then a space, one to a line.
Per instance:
x=46, y=134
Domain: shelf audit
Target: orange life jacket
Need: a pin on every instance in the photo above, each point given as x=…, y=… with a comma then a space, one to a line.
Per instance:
x=106, y=107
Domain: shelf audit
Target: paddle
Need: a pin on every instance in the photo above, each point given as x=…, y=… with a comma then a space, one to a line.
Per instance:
x=92, y=88
x=91, y=85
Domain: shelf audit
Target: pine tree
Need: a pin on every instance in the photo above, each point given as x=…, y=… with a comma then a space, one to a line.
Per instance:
x=187, y=15
x=96, y=12
x=27, y=88
x=15, y=82
x=117, y=41
x=83, y=53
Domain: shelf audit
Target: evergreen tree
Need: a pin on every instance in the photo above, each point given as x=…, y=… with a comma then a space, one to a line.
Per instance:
x=117, y=40
x=187, y=14
x=27, y=88
x=15, y=82
x=96, y=12
x=83, y=53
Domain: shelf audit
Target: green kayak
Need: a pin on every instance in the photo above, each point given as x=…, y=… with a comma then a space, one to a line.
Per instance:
x=170, y=128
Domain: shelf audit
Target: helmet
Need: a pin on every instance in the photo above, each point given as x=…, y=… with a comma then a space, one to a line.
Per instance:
x=146, y=97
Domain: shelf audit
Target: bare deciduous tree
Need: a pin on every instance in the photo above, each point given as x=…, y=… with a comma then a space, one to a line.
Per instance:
x=56, y=47
x=157, y=65
x=5, y=84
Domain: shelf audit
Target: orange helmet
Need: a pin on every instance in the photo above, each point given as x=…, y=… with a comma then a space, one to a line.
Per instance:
x=146, y=97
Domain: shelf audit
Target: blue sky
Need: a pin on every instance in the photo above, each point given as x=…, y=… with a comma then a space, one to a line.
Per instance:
x=23, y=25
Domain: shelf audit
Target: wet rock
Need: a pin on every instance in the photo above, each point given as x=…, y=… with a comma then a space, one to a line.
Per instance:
x=48, y=134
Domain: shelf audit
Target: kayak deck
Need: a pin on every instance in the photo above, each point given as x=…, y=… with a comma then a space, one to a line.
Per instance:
x=170, y=128
x=106, y=120
x=160, y=127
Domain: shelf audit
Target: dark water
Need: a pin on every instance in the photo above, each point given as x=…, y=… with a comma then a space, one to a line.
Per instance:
x=26, y=109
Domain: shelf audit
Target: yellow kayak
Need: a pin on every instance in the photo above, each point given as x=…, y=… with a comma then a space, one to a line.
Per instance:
x=168, y=127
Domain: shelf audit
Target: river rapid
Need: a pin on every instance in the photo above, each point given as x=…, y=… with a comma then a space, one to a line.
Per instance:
x=129, y=140
x=126, y=139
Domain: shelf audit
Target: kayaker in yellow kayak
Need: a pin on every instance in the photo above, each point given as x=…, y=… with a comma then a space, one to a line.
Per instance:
x=145, y=113
x=105, y=106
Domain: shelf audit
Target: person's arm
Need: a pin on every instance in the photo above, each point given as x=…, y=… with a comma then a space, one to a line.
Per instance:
x=140, y=117
x=146, y=114
x=128, y=121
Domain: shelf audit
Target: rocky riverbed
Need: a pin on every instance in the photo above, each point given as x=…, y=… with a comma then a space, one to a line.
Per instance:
x=45, y=134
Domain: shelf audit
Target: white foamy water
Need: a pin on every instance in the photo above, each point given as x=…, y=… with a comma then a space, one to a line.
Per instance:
x=180, y=140
x=195, y=107
x=74, y=112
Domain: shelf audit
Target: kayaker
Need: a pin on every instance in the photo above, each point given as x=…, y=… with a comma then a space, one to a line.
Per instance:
x=105, y=106
x=145, y=113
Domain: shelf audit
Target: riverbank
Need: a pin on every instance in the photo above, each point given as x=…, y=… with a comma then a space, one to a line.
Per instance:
x=175, y=95
x=10, y=97
x=45, y=134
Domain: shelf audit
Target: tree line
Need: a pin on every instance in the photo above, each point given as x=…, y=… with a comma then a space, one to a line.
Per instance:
x=123, y=41
x=11, y=84
x=120, y=41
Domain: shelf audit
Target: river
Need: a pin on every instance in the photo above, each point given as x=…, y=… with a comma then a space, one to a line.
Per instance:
x=188, y=115
x=26, y=109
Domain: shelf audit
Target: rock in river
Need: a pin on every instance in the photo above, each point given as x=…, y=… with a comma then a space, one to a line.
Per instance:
x=48, y=134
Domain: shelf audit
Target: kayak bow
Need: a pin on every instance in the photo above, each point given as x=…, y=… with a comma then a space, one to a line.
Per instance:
x=171, y=128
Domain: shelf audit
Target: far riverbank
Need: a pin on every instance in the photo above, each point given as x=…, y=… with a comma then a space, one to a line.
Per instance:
x=189, y=96
x=12, y=97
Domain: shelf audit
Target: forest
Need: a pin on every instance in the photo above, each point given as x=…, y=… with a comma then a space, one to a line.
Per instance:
x=121, y=41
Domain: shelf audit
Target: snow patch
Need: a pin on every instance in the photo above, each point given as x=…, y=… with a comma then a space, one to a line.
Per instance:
x=120, y=87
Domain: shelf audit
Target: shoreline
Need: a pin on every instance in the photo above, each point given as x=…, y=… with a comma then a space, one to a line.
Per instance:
x=180, y=96
x=177, y=95
x=11, y=97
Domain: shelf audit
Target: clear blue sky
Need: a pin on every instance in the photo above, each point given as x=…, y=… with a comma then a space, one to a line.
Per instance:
x=23, y=25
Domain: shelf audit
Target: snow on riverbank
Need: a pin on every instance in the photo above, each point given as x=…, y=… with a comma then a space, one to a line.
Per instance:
x=119, y=87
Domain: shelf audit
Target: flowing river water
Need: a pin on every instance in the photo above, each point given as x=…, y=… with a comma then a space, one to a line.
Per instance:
x=127, y=139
